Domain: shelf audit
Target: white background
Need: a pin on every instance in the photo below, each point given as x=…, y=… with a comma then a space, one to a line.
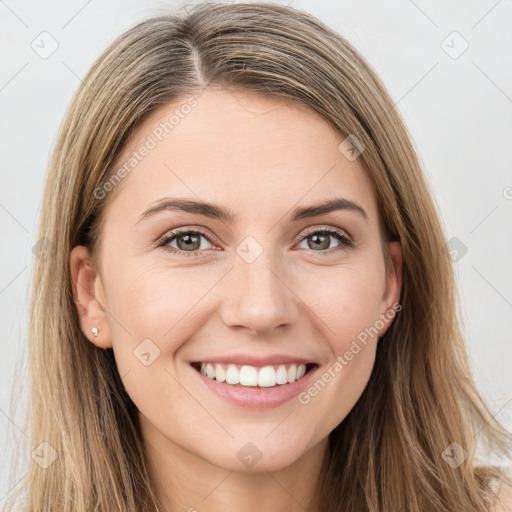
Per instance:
x=458, y=110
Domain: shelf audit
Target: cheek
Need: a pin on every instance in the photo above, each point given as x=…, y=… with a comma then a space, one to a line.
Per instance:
x=164, y=305
x=345, y=299
x=156, y=312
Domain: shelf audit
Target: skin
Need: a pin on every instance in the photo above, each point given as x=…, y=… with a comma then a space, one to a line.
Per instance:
x=260, y=157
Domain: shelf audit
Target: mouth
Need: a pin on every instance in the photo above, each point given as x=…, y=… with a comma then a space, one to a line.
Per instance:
x=246, y=376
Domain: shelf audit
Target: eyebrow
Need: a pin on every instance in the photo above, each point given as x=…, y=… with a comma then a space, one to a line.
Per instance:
x=218, y=212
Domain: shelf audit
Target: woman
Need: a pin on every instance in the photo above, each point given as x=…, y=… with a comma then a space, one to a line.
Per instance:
x=249, y=304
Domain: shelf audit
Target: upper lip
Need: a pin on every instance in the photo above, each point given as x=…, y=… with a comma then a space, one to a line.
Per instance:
x=253, y=360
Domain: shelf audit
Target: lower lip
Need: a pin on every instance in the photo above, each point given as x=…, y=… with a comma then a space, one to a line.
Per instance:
x=257, y=398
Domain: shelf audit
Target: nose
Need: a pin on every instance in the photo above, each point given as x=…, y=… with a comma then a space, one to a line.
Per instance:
x=258, y=297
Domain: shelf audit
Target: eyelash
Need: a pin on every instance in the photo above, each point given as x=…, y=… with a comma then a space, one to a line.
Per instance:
x=346, y=242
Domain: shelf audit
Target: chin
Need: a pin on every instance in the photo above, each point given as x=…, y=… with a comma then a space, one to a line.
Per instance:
x=256, y=457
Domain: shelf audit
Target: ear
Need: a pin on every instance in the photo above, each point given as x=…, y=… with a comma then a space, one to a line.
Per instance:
x=89, y=297
x=391, y=297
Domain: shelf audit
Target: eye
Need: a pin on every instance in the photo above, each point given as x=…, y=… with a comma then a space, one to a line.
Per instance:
x=188, y=242
x=321, y=240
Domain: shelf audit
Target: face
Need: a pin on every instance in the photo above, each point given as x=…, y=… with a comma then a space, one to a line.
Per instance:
x=264, y=285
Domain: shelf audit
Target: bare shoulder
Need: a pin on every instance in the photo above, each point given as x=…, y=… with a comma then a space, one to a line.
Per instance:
x=504, y=499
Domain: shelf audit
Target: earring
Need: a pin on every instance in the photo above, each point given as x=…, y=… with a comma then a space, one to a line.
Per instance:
x=94, y=330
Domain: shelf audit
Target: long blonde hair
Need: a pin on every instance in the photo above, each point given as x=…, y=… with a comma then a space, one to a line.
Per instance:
x=388, y=454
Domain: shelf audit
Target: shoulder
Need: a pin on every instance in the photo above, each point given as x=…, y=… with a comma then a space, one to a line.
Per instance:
x=503, y=501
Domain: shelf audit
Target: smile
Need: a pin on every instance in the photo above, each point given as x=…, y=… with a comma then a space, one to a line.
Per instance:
x=253, y=376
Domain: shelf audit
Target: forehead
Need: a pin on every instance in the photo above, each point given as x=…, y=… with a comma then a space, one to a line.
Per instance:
x=241, y=147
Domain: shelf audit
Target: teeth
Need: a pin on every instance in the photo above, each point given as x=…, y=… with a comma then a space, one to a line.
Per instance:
x=267, y=376
x=220, y=374
x=292, y=373
x=210, y=371
x=282, y=375
x=248, y=376
x=232, y=375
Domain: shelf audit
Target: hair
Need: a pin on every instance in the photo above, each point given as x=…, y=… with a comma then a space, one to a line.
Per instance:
x=387, y=454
